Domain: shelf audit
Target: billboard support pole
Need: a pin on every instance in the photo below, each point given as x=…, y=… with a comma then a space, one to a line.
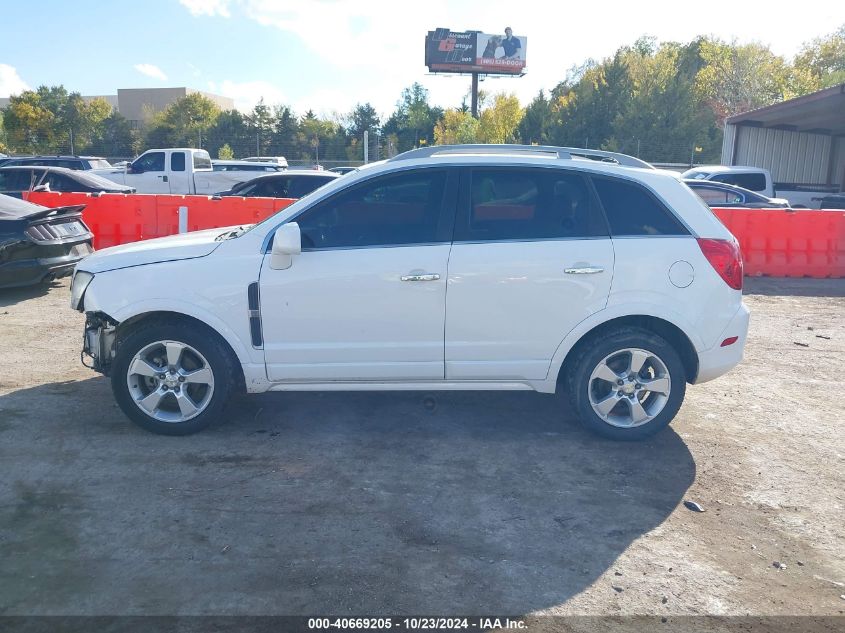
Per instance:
x=475, y=95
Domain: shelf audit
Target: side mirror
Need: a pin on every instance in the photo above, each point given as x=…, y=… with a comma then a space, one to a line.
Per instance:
x=287, y=242
x=131, y=168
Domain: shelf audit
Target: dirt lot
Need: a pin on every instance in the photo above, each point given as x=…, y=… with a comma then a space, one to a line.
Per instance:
x=384, y=504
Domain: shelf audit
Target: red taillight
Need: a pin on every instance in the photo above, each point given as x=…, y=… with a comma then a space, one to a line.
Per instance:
x=725, y=258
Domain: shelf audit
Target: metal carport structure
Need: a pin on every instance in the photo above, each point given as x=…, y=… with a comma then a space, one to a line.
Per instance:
x=800, y=141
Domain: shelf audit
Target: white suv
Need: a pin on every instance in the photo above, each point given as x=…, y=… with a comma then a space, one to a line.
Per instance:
x=453, y=267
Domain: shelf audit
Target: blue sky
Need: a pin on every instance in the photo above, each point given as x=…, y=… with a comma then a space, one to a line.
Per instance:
x=330, y=54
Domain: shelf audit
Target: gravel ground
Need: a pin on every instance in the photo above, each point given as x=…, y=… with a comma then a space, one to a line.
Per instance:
x=408, y=503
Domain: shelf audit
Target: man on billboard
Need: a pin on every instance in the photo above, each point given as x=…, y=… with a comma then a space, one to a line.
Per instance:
x=511, y=45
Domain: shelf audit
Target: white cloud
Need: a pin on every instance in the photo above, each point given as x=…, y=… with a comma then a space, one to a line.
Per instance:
x=248, y=93
x=208, y=7
x=151, y=70
x=10, y=81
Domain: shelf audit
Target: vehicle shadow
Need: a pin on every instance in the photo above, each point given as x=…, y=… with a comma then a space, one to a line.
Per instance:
x=314, y=503
x=12, y=296
x=793, y=287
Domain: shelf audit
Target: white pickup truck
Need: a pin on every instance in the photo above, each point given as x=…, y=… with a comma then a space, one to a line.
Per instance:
x=180, y=170
x=759, y=180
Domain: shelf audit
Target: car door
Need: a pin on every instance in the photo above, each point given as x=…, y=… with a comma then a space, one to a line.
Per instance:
x=531, y=259
x=152, y=178
x=366, y=298
x=180, y=177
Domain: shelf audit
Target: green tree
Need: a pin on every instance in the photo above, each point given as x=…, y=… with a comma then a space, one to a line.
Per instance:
x=455, y=127
x=82, y=119
x=116, y=137
x=536, y=124
x=498, y=122
x=225, y=152
x=29, y=123
x=183, y=122
x=412, y=123
x=741, y=77
x=824, y=58
x=363, y=117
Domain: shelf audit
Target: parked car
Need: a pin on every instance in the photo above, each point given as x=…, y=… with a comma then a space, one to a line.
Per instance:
x=244, y=165
x=281, y=161
x=179, y=171
x=69, y=162
x=578, y=270
x=759, y=180
x=343, y=170
x=39, y=243
x=288, y=184
x=15, y=179
x=720, y=194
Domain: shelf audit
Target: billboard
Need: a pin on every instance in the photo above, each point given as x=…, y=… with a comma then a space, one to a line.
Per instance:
x=474, y=52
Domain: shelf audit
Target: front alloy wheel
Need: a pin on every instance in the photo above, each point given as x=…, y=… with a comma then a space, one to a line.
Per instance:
x=170, y=381
x=172, y=378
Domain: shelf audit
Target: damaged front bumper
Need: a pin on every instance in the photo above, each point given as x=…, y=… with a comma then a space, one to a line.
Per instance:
x=98, y=342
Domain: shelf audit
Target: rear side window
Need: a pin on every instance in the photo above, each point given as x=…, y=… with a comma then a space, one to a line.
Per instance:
x=60, y=182
x=633, y=210
x=754, y=182
x=202, y=160
x=177, y=161
x=528, y=204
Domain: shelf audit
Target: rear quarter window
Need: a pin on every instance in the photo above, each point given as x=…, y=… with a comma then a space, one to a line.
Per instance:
x=632, y=210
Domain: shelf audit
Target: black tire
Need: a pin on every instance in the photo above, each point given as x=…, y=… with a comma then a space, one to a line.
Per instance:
x=202, y=339
x=592, y=352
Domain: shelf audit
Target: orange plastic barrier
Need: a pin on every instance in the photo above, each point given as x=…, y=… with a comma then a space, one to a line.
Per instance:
x=116, y=218
x=801, y=243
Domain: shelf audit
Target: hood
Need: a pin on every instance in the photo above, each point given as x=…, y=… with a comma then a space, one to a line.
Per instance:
x=161, y=249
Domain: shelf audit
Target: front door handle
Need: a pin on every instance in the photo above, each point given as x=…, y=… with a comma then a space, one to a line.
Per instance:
x=584, y=270
x=421, y=277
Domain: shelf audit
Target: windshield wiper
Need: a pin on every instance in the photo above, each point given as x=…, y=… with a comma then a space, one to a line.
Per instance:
x=230, y=234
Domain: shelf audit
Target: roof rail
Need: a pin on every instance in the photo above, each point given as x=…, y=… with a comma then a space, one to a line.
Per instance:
x=565, y=153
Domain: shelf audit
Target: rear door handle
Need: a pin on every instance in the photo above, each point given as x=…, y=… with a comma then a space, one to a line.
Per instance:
x=584, y=270
x=421, y=277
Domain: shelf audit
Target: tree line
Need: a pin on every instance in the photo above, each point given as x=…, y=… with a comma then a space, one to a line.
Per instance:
x=664, y=102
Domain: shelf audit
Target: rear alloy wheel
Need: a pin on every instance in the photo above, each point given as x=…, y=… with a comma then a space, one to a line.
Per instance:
x=629, y=388
x=172, y=379
x=628, y=385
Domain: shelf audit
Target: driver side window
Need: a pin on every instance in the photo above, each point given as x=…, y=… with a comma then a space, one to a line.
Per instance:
x=390, y=210
x=154, y=161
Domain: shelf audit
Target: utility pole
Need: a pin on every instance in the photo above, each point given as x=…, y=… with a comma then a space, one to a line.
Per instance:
x=366, y=146
x=475, y=95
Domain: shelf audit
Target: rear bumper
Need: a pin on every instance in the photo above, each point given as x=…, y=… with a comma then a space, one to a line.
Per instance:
x=719, y=360
x=26, y=272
